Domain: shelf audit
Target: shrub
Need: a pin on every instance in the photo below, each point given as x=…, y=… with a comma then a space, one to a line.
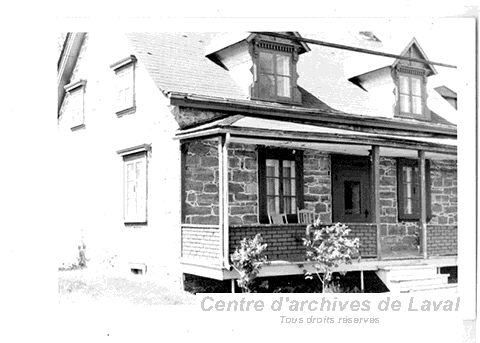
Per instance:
x=82, y=259
x=247, y=261
x=327, y=248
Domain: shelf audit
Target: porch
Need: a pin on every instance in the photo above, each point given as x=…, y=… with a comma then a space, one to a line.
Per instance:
x=226, y=193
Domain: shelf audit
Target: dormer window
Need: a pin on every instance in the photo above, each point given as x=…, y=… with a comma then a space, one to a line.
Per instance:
x=410, y=77
x=262, y=65
x=274, y=74
x=411, y=93
x=410, y=90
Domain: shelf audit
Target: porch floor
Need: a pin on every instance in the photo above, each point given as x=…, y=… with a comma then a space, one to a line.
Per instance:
x=283, y=268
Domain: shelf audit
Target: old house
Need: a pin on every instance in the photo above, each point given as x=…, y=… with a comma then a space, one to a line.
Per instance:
x=178, y=145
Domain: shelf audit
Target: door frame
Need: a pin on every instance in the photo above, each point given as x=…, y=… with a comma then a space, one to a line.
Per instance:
x=357, y=169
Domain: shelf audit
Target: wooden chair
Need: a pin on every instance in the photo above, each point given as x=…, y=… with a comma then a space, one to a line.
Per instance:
x=277, y=218
x=305, y=216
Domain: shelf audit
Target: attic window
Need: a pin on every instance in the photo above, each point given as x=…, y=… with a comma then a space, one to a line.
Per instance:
x=125, y=85
x=76, y=95
x=411, y=94
x=274, y=72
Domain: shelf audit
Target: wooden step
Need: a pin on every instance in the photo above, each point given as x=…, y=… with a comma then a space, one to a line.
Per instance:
x=418, y=280
x=444, y=288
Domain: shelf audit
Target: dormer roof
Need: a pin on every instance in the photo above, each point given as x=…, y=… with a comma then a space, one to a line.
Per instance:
x=413, y=49
x=177, y=64
x=226, y=40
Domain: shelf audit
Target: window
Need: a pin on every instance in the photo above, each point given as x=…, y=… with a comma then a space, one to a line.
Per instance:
x=125, y=85
x=409, y=189
x=281, y=190
x=410, y=92
x=275, y=70
x=274, y=75
x=135, y=184
x=76, y=91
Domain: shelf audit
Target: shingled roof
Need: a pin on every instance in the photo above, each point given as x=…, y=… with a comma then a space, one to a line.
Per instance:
x=177, y=63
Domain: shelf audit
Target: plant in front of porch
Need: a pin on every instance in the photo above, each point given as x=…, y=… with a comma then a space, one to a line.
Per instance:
x=247, y=261
x=327, y=248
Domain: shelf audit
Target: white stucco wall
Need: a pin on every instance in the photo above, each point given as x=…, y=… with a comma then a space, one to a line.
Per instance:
x=91, y=173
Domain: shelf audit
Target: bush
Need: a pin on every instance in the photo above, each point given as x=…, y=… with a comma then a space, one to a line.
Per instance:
x=327, y=248
x=82, y=259
x=247, y=261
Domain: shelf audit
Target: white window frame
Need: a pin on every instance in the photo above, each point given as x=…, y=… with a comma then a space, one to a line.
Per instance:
x=138, y=191
x=125, y=85
x=76, y=99
x=411, y=73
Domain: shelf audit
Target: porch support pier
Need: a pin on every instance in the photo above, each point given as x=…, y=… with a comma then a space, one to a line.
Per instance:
x=223, y=198
x=375, y=158
x=423, y=200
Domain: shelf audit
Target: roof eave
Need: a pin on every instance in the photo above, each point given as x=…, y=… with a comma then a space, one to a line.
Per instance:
x=66, y=64
x=304, y=115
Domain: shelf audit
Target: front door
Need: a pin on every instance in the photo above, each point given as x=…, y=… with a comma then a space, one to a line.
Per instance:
x=351, y=189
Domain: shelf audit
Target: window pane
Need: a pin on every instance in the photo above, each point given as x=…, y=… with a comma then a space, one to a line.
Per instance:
x=294, y=204
x=416, y=105
x=267, y=85
x=283, y=65
x=404, y=103
x=416, y=86
x=265, y=62
x=404, y=85
x=283, y=86
x=407, y=189
x=287, y=189
x=272, y=168
x=352, y=197
x=287, y=205
x=271, y=205
x=271, y=189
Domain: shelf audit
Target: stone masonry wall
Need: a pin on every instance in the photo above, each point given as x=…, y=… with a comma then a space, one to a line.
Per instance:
x=443, y=175
x=395, y=236
x=201, y=182
x=317, y=184
x=243, y=184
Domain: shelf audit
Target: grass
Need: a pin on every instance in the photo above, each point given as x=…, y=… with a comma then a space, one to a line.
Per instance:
x=89, y=286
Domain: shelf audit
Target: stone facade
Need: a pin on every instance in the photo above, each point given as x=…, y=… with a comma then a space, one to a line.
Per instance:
x=444, y=192
x=317, y=184
x=243, y=184
x=201, y=182
x=201, y=193
x=395, y=236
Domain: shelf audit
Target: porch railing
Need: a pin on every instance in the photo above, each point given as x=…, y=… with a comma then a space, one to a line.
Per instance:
x=284, y=242
x=201, y=243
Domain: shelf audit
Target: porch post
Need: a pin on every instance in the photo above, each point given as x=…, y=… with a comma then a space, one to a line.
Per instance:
x=223, y=199
x=375, y=157
x=423, y=200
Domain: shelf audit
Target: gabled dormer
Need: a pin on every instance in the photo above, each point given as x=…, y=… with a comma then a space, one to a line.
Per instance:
x=410, y=78
x=264, y=66
x=399, y=89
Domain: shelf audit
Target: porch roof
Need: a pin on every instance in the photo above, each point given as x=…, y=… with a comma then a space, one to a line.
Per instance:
x=245, y=129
